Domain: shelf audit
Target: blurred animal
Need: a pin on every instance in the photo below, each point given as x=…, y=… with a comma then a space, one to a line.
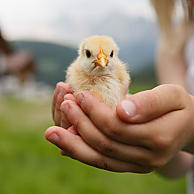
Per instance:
x=99, y=70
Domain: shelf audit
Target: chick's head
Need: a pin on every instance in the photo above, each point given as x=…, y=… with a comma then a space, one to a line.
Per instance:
x=98, y=55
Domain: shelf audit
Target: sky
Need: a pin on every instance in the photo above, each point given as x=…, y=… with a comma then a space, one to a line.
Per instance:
x=43, y=19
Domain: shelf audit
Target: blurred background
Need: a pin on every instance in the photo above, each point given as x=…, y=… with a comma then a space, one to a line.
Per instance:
x=39, y=39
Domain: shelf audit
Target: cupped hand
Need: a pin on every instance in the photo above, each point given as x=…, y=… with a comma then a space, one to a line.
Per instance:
x=143, y=134
x=62, y=92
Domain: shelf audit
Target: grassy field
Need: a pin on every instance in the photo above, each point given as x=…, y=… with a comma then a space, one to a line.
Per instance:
x=30, y=165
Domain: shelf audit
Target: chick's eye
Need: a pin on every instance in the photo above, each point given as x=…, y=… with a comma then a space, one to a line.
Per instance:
x=112, y=53
x=88, y=53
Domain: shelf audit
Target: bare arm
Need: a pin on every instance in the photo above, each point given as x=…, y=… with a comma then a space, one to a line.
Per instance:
x=170, y=62
x=171, y=68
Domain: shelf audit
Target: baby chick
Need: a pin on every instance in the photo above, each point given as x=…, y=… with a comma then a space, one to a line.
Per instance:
x=99, y=71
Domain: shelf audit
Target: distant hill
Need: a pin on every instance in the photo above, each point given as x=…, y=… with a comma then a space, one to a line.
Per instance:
x=53, y=59
x=135, y=36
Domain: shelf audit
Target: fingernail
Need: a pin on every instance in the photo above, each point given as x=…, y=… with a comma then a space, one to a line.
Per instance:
x=66, y=97
x=128, y=107
x=80, y=97
x=53, y=138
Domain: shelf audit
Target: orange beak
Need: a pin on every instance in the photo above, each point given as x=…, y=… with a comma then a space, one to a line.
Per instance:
x=101, y=59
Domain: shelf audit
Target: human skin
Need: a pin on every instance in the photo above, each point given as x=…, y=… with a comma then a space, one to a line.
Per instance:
x=164, y=129
x=143, y=134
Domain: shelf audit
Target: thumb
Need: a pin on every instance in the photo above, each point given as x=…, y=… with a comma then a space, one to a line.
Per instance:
x=151, y=104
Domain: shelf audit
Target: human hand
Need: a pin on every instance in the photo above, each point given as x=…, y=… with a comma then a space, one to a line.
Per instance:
x=136, y=141
x=62, y=89
x=160, y=103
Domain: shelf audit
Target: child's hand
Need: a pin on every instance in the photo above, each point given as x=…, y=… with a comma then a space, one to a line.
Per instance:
x=62, y=90
x=155, y=125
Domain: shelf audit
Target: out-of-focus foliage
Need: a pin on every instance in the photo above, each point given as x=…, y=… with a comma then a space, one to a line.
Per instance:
x=31, y=165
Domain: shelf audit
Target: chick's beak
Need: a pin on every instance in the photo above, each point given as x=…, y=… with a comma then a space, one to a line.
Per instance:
x=101, y=59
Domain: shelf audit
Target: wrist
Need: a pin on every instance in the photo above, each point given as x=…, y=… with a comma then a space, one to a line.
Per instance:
x=189, y=147
x=182, y=161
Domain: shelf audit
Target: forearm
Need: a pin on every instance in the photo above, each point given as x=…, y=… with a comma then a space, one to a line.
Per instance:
x=171, y=68
x=171, y=64
x=178, y=166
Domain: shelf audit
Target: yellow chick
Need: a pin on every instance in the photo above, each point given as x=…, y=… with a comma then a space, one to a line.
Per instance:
x=99, y=71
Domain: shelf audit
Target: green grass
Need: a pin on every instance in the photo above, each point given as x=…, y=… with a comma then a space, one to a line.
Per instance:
x=31, y=165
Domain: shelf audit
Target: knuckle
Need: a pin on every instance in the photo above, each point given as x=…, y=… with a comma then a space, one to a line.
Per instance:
x=103, y=164
x=113, y=131
x=151, y=99
x=162, y=142
x=109, y=124
x=177, y=88
x=78, y=124
x=68, y=149
x=177, y=91
x=145, y=160
x=157, y=162
x=72, y=152
x=65, y=124
x=86, y=106
x=111, y=127
x=105, y=147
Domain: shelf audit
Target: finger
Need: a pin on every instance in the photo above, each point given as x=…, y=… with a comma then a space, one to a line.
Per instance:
x=60, y=86
x=106, y=120
x=151, y=104
x=101, y=114
x=61, y=90
x=64, y=121
x=73, y=131
x=69, y=97
x=76, y=148
x=99, y=141
x=57, y=112
x=56, y=92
